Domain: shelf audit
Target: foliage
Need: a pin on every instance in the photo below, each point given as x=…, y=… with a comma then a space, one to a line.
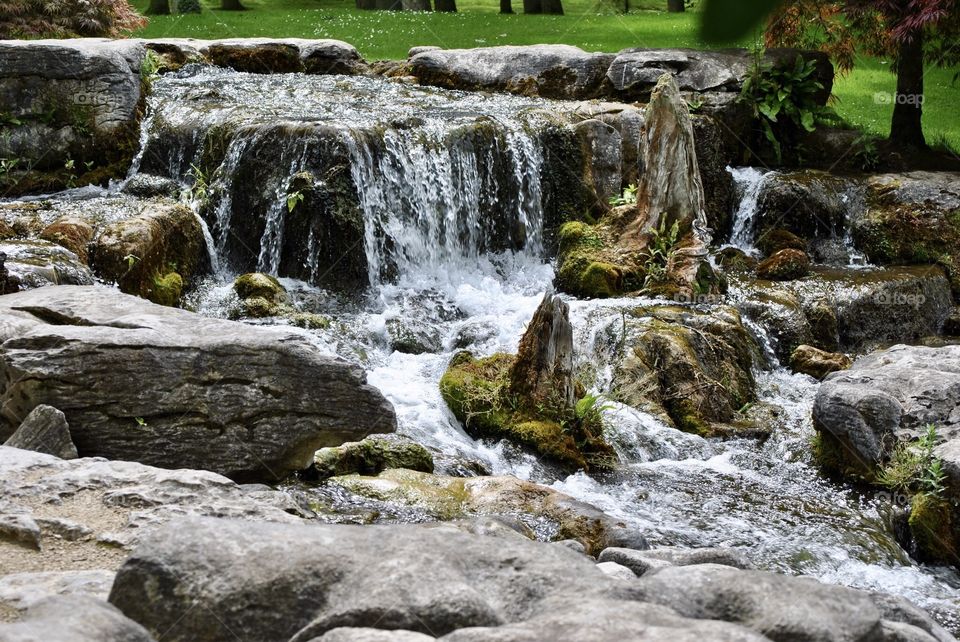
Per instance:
x=149, y=68
x=67, y=18
x=201, y=186
x=783, y=95
x=867, y=155
x=294, y=198
x=913, y=468
x=628, y=197
x=659, y=250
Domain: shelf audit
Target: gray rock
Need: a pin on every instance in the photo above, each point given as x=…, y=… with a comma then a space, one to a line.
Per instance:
x=167, y=387
x=414, y=336
x=616, y=571
x=642, y=562
x=606, y=620
x=83, y=500
x=780, y=607
x=148, y=186
x=18, y=527
x=551, y=71
x=44, y=430
x=890, y=396
x=371, y=456
x=360, y=634
x=74, y=619
x=602, y=148
x=90, y=85
x=808, y=203
x=196, y=579
x=36, y=263
x=22, y=590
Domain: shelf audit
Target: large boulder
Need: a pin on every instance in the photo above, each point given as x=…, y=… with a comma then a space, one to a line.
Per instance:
x=89, y=512
x=550, y=71
x=166, y=387
x=68, y=103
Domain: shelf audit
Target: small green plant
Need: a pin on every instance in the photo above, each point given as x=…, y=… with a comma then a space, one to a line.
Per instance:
x=628, y=197
x=867, y=155
x=149, y=69
x=662, y=243
x=141, y=422
x=779, y=94
x=131, y=260
x=293, y=199
x=914, y=469
x=201, y=187
x=9, y=119
x=591, y=407
x=7, y=165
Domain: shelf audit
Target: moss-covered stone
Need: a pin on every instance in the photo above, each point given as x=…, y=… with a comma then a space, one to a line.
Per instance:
x=818, y=363
x=784, y=265
x=778, y=239
x=257, y=284
x=477, y=391
x=932, y=529
x=71, y=233
x=165, y=289
x=371, y=456
x=586, y=267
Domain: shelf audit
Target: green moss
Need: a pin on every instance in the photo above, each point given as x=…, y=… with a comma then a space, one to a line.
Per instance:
x=166, y=289
x=476, y=391
x=585, y=268
x=256, y=284
x=371, y=456
x=932, y=529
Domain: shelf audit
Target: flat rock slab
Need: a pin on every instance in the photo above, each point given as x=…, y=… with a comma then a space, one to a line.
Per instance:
x=74, y=619
x=170, y=388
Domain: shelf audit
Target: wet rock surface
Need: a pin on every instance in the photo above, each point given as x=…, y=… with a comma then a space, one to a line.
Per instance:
x=150, y=392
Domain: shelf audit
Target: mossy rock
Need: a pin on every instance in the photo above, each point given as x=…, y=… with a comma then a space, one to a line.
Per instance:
x=784, y=265
x=476, y=390
x=932, y=529
x=371, y=456
x=71, y=233
x=259, y=285
x=780, y=239
x=585, y=266
x=165, y=290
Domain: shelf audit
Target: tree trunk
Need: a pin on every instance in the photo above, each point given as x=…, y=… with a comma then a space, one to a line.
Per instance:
x=906, y=129
x=388, y=5
x=367, y=4
x=543, y=371
x=158, y=8
x=532, y=6
x=231, y=5
x=506, y=6
x=445, y=5
x=676, y=6
x=415, y=5
x=552, y=6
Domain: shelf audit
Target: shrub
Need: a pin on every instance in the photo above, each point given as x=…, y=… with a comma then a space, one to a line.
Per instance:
x=67, y=18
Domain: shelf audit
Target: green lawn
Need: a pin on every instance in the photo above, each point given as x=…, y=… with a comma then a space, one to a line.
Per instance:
x=592, y=25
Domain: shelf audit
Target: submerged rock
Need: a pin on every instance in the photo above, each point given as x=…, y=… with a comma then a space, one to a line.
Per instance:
x=371, y=456
x=818, y=363
x=171, y=388
x=44, y=430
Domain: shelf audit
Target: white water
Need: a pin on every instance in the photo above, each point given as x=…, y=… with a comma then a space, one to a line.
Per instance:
x=748, y=182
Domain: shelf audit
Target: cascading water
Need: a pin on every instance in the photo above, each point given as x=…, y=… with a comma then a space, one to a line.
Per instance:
x=436, y=199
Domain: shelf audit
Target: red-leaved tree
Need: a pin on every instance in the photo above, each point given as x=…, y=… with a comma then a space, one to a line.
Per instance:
x=67, y=18
x=912, y=32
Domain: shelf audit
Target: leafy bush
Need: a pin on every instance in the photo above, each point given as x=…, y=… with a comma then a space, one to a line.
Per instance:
x=782, y=97
x=67, y=18
x=914, y=469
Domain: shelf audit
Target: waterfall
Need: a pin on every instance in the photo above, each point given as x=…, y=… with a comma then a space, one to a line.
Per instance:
x=748, y=181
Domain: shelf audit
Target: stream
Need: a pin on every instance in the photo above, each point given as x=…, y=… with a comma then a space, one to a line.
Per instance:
x=450, y=230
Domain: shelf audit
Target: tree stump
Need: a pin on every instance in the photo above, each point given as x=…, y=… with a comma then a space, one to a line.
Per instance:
x=543, y=371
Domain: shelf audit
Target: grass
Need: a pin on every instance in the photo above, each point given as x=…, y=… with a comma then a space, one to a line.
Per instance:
x=594, y=25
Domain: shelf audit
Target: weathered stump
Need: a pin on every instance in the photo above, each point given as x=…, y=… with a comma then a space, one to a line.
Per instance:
x=543, y=371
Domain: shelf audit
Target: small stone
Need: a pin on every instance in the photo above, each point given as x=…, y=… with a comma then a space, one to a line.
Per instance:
x=45, y=430
x=784, y=265
x=617, y=571
x=20, y=528
x=818, y=363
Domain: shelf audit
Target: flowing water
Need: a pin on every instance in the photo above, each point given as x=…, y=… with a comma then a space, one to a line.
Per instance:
x=430, y=201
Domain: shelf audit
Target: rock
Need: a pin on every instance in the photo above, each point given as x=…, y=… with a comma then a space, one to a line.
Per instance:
x=371, y=456
x=149, y=186
x=542, y=372
x=149, y=393
x=692, y=369
x=642, y=562
x=106, y=501
x=18, y=527
x=44, y=430
x=271, y=55
x=602, y=148
x=413, y=336
x=34, y=264
x=733, y=259
x=818, y=363
x=23, y=590
x=8, y=284
x=141, y=253
x=806, y=203
x=75, y=101
x=616, y=571
x=72, y=233
x=714, y=155
x=260, y=294
x=556, y=516
x=550, y=71
x=784, y=265
x=912, y=219
x=74, y=619
x=324, y=577
x=768, y=603
x=778, y=239
x=361, y=634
